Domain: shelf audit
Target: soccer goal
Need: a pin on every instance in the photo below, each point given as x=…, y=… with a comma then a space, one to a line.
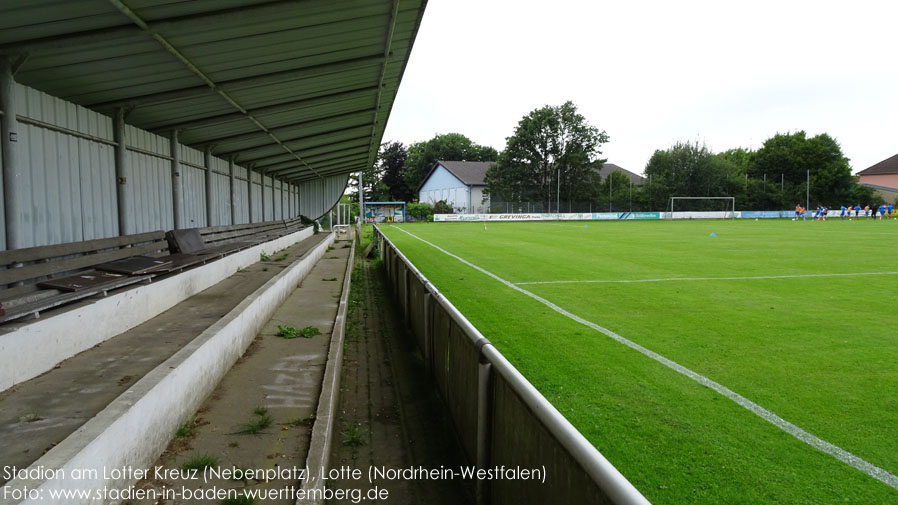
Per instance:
x=701, y=207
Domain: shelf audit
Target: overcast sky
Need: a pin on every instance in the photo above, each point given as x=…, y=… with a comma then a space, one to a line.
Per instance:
x=650, y=73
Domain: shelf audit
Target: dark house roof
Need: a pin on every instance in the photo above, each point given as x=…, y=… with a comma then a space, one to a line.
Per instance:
x=470, y=173
x=607, y=168
x=887, y=166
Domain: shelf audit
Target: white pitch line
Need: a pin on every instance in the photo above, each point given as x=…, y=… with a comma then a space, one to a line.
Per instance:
x=815, y=442
x=671, y=279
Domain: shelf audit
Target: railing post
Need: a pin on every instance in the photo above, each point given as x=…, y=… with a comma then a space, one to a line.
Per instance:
x=428, y=333
x=484, y=371
x=407, y=302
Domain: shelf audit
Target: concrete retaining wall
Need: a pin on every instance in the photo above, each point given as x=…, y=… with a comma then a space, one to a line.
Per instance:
x=34, y=348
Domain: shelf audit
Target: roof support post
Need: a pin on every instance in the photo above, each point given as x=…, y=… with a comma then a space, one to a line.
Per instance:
x=207, y=162
x=13, y=171
x=176, y=189
x=232, y=190
x=274, y=200
x=122, y=171
x=249, y=194
x=263, y=195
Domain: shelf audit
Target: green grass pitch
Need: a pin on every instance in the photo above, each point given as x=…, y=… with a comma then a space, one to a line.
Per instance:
x=812, y=342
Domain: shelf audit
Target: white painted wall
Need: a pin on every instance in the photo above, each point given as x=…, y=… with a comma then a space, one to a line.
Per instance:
x=442, y=185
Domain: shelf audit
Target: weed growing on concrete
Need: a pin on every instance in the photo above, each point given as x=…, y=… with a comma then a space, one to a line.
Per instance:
x=291, y=332
x=329, y=278
x=255, y=426
x=242, y=270
x=260, y=411
x=329, y=248
x=287, y=331
x=309, y=332
x=304, y=421
x=354, y=436
x=264, y=257
x=265, y=269
x=200, y=462
x=186, y=430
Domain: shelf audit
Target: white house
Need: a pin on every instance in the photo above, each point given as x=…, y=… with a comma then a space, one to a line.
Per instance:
x=459, y=183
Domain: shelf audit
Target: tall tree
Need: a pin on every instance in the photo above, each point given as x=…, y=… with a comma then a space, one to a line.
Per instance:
x=447, y=147
x=791, y=157
x=552, y=147
x=689, y=169
x=390, y=161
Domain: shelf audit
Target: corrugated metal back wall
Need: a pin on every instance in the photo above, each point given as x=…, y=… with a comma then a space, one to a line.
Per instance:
x=71, y=186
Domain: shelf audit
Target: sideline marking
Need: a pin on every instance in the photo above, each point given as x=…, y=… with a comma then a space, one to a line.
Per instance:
x=821, y=445
x=670, y=279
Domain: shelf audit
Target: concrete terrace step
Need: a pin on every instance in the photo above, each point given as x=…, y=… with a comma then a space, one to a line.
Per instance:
x=32, y=347
x=277, y=380
x=117, y=405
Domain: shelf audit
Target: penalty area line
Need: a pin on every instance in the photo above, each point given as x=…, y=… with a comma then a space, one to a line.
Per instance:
x=821, y=445
x=672, y=279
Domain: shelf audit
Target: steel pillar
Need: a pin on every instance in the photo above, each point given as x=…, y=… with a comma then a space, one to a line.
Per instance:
x=176, y=188
x=13, y=172
x=207, y=162
x=233, y=190
x=249, y=193
x=263, y=195
x=123, y=195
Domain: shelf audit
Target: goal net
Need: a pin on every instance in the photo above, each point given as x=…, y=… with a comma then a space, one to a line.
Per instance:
x=701, y=207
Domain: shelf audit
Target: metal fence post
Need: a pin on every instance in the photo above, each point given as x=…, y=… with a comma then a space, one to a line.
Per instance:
x=408, y=299
x=428, y=333
x=484, y=371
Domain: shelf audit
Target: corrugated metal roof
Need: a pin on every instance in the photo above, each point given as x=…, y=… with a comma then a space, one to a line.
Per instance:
x=300, y=88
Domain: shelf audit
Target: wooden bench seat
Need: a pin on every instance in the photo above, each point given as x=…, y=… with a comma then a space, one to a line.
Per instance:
x=39, y=278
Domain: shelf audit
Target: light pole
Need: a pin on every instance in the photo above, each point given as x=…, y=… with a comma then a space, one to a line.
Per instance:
x=807, y=202
x=558, y=191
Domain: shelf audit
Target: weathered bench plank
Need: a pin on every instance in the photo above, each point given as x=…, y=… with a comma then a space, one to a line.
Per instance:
x=37, y=270
x=43, y=252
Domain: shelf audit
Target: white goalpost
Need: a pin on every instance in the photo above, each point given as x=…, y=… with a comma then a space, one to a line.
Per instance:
x=728, y=203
